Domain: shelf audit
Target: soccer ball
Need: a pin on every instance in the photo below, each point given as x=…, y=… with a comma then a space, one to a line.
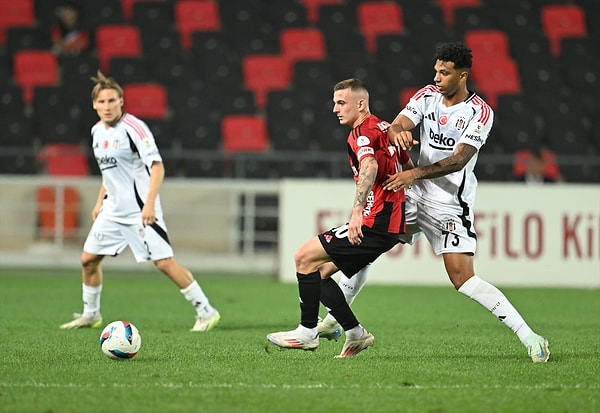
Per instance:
x=120, y=340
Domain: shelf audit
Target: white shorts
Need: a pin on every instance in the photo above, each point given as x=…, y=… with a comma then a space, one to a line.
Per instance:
x=446, y=229
x=107, y=237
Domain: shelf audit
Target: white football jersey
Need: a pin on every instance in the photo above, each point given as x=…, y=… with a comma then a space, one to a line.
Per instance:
x=442, y=128
x=125, y=153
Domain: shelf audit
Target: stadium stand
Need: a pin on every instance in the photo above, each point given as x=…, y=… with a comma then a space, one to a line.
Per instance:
x=204, y=53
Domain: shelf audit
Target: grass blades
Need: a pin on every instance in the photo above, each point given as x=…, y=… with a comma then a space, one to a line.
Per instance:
x=435, y=350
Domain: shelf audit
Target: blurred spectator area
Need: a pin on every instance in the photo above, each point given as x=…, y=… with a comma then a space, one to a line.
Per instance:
x=205, y=62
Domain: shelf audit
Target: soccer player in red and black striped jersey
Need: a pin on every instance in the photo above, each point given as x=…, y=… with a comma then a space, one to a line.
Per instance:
x=376, y=221
x=128, y=211
x=454, y=125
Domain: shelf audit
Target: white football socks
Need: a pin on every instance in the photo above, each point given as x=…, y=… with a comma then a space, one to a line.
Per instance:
x=91, y=300
x=194, y=294
x=492, y=298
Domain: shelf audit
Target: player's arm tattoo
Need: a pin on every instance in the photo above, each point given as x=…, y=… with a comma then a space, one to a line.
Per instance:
x=453, y=163
x=366, y=179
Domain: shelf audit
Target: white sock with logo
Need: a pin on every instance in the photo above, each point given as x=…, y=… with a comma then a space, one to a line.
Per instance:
x=91, y=300
x=492, y=298
x=194, y=294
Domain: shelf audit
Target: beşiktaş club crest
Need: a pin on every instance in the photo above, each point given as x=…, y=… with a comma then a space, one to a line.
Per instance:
x=450, y=226
x=328, y=238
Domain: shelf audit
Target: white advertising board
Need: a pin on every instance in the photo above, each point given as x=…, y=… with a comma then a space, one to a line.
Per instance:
x=528, y=235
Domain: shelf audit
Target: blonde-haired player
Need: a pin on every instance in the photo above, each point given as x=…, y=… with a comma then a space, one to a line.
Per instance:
x=128, y=211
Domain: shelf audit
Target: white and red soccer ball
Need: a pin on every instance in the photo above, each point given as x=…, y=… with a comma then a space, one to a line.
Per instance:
x=120, y=340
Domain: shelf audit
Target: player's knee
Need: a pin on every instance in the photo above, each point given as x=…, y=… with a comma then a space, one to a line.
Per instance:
x=164, y=264
x=90, y=261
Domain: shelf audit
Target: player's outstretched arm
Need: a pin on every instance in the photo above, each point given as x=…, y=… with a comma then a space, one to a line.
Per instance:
x=400, y=133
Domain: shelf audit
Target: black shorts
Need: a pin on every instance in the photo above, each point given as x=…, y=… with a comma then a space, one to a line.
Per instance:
x=352, y=258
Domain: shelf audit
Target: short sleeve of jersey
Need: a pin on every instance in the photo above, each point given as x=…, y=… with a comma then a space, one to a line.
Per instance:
x=414, y=109
x=143, y=140
x=479, y=129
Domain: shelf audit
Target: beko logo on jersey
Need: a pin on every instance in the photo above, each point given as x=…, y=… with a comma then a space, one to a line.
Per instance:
x=107, y=162
x=440, y=139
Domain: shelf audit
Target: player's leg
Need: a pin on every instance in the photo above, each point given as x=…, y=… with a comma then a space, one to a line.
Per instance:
x=455, y=239
x=308, y=258
x=152, y=243
x=103, y=239
x=459, y=267
x=207, y=317
x=328, y=327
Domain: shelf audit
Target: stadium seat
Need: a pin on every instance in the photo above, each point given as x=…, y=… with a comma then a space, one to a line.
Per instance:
x=48, y=207
x=448, y=7
x=152, y=14
x=129, y=5
x=312, y=8
x=263, y=73
x=15, y=13
x=191, y=16
x=376, y=18
x=302, y=44
x=21, y=38
x=244, y=133
x=33, y=68
x=562, y=20
x=63, y=159
x=487, y=44
x=130, y=70
x=146, y=100
x=117, y=40
x=496, y=77
x=286, y=14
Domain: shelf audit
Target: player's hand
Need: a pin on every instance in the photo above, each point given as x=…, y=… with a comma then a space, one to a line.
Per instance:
x=148, y=215
x=399, y=181
x=403, y=139
x=355, y=234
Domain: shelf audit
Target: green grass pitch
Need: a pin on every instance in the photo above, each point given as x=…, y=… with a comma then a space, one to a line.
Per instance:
x=435, y=350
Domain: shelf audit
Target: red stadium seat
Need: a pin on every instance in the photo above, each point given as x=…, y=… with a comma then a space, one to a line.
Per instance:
x=244, y=133
x=496, y=77
x=487, y=44
x=312, y=8
x=263, y=73
x=63, y=159
x=15, y=13
x=146, y=100
x=117, y=40
x=192, y=15
x=302, y=44
x=48, y=217
x=34, y=68
x=562, y=20
x=376, y=18
x=448, y=7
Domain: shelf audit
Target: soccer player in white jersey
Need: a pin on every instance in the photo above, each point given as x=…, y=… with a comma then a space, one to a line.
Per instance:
x=128, y=210
x=440, y=191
